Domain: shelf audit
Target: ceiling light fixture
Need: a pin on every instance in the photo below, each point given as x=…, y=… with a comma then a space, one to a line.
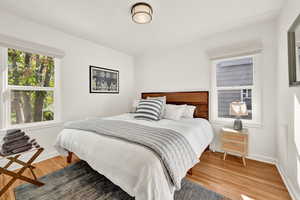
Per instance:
x=141, y=13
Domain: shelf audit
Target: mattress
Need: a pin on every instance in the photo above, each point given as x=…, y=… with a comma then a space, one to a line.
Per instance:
x=134, y=168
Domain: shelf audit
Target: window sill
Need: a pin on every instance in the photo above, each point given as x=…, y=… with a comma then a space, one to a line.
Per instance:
x=221, y=123
x=34, y=126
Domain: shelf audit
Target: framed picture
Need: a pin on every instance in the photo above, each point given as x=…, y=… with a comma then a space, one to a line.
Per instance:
x=103, y=80
x=294, y=53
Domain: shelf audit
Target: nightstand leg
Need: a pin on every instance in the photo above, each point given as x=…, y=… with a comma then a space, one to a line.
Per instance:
x=225, y=154
x=244, y=160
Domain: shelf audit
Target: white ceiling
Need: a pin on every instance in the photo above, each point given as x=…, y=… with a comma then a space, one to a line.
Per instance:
x=108, y=22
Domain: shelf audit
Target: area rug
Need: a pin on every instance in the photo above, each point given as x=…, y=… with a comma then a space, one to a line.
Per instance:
x=80, y=182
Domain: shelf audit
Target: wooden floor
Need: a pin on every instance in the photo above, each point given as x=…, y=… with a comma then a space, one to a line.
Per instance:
x=257, y=181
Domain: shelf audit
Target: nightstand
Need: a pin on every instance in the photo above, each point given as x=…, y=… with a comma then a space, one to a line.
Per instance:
x=234, y=141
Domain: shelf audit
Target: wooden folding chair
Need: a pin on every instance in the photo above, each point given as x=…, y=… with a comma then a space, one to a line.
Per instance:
x=18, y=174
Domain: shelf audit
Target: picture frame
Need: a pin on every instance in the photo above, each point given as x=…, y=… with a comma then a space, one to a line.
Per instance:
x=103, y=80
x=294, y=53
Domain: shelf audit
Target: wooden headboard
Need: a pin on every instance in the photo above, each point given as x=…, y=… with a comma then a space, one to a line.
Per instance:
x=200, y=99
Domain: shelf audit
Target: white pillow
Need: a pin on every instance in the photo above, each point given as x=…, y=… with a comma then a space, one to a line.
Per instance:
x=163, y=99
x=174, y=112
x=189, y=112
x=135, y=104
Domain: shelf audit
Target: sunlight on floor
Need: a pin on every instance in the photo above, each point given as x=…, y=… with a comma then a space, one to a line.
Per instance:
x=244, y=197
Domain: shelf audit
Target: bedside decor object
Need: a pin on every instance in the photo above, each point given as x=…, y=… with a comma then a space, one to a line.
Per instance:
x=294, y=53
x=238, y=109
x=234, y=141
x=14, y=144
x=141, y=13
x=103, y=80
x=135, y=104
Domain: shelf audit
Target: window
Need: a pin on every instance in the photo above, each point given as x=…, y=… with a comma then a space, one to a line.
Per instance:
x=28, y=87
x=235, y=79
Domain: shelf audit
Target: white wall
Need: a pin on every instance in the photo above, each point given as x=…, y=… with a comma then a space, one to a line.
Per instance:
x=182, y=69
x=288, y=141
x=188, y=68
x=76, y=100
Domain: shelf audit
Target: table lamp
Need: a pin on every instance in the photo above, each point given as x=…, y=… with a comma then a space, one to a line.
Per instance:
x=238, y=109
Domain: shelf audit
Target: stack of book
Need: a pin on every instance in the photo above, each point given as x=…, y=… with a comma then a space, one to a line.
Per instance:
x=16, y=141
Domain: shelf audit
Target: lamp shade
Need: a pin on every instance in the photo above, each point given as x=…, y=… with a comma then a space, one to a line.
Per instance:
x=141, y=13
x=238, y=109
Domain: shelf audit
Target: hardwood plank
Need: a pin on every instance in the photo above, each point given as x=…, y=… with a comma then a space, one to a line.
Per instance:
x=42, y=168
x=256, y=181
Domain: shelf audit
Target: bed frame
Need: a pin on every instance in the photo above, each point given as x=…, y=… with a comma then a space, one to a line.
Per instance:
x=200, y=99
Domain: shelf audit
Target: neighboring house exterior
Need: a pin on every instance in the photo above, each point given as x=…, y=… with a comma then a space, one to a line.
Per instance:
x=230, y=74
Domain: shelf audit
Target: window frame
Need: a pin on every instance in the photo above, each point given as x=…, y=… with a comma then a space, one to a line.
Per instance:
x=5, y=94
x=256, y=92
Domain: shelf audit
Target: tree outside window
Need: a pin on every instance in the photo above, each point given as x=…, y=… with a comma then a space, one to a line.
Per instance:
x=31, y=86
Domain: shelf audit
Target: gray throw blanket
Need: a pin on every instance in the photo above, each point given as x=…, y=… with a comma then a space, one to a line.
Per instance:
x=171, y=147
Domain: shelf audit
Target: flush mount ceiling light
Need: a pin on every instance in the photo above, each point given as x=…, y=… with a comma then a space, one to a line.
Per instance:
x=141, y=13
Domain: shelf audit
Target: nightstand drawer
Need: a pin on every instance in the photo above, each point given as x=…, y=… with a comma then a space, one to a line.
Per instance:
x=234, y=137
x=234, y=147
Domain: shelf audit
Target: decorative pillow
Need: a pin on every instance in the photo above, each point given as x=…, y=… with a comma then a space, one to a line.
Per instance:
x=164, y=100
x=174, y=112
x=135, y=104
x=189, y=112
x=149, y=109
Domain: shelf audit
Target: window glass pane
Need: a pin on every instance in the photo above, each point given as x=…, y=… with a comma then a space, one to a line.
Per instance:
x=31, y=106
x=238, y=72
x=28, y=69
x=225, y=97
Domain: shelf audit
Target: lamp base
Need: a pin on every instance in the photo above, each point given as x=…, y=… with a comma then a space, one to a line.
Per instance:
x=238, y=125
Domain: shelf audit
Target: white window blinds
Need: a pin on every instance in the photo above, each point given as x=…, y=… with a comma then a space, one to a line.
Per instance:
x=11, y=42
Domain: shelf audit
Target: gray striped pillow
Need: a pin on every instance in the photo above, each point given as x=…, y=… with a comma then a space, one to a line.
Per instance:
x=149, y=109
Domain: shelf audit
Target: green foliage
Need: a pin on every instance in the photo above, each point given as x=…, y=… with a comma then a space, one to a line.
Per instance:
x=27, y=69
x=48, y=115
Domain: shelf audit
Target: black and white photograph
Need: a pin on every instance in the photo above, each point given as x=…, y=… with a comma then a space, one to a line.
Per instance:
x=103, y=80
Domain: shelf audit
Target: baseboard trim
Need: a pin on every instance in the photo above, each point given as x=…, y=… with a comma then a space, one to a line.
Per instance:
x=288, y=184
x=260, y=158
x=264, y=159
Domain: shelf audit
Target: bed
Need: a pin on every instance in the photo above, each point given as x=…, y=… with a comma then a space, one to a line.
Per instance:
x=137, y=170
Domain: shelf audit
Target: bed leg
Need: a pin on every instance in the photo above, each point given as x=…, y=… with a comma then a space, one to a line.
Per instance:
x=190, y=172
x=207, y=148
x=69, y=158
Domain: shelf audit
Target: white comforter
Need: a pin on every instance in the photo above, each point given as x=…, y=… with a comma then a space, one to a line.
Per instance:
x=135, y=169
